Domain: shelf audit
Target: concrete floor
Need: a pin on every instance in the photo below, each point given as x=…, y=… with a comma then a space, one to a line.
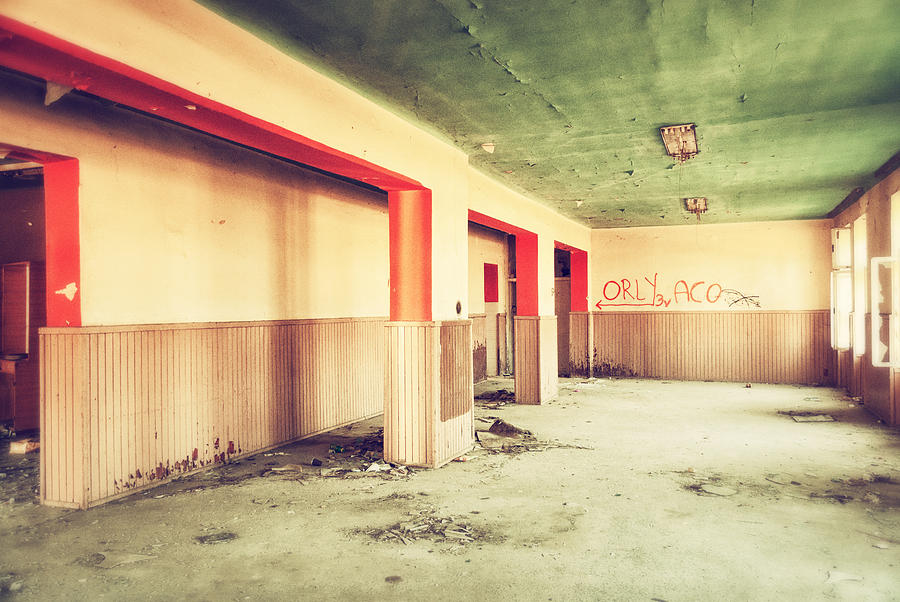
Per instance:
x=617, y=499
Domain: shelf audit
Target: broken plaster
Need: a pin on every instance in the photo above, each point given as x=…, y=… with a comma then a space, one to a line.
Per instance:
x=69, y=291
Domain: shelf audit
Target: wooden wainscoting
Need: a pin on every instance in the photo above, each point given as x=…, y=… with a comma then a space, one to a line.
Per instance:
x=428, y=392
x=479, y=346
x=580, y=344
x=537, y=361
x=752, y=346
x=126, y=407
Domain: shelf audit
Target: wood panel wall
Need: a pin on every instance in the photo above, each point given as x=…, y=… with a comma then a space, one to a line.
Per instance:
x=580, y=344
x=428, y=392
x=739, y=346
x=479, y=347
x=537, y=362
x=455, y=433
x=844, y=374
x=126, y=407
x=502, y=361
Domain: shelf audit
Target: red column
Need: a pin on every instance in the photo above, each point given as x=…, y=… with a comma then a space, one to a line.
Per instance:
x=579, y=273
x=63, y=243
x=409, y=212
x=526, y=273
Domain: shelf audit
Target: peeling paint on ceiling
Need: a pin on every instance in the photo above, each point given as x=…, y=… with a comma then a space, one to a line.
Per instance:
x=796, y=103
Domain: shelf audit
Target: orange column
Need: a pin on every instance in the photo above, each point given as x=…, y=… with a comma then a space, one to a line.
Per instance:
x=410, y=238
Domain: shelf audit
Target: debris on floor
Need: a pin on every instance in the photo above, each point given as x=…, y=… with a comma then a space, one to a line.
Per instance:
x=495, y=399
x=814, y=418
x=24, y=446
x=717, y=490
x=837, y=576
x=505, y=429
x=804, y=416
x=212, y=538
x=428, y=526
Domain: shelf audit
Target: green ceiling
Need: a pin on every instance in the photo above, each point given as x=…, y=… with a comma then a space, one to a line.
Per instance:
x=796, y=102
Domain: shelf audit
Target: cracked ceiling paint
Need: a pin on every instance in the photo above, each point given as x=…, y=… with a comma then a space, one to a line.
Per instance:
x=796, y=103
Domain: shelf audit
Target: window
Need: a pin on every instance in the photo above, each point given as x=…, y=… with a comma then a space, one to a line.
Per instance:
x=860, y=290
x=841, y=287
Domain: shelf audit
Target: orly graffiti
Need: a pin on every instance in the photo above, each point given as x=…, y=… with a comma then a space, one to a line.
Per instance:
x=646, y=292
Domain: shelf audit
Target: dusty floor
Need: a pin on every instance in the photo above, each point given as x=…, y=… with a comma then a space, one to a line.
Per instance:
x=628, y=490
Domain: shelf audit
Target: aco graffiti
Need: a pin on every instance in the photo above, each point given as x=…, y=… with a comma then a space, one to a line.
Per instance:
x=646, y=292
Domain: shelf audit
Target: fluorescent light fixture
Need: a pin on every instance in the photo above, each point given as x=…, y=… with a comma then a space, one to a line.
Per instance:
x=696, y=205
x=680, y=141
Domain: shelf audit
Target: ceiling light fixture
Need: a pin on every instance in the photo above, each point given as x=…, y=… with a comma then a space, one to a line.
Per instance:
x=696, y=205
x=680, y=141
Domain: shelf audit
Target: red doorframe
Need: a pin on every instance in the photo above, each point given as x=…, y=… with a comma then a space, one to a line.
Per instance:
x=579, y=276
x=63, y=247
x=526, y=261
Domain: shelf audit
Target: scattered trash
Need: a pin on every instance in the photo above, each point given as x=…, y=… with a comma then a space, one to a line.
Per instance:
x=24, y=446
x=803, y=416
x=838, y=497
x=718, y=490
x=837, y=576
x=431, y=527
x=881, y=546
x=376, y=467
x=7, y=432
x=288, y=468
x=747, y=386
x=275, y=454
x=393, y=579
x=112, y=559
x=872, y=498
x=334, y=448
x=462, y=459
x=811, y=399
x=815, y=418
x=771, y=480
x=315, y=462
x=220, y=537
x=505, y=429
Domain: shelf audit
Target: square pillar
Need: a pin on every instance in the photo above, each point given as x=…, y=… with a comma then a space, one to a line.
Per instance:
x=428, y=390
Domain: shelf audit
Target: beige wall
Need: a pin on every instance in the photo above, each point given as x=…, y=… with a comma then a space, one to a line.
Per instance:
x=486, y=246
x=177, y=227
x=491, y=198
x=785, y=264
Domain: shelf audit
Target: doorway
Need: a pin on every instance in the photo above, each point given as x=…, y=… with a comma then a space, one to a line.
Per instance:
x=22, y=290
x=563, y=295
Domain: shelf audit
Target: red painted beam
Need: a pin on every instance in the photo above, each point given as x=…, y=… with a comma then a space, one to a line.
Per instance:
x=409, y=215
x=29, y=50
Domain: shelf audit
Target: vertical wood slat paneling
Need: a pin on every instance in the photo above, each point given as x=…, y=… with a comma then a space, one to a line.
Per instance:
x=479, y=346
x=527, y=358
x=123, y=408
x=536, y=357
x=428, y=391
x=579, y=344
x=773, y=347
